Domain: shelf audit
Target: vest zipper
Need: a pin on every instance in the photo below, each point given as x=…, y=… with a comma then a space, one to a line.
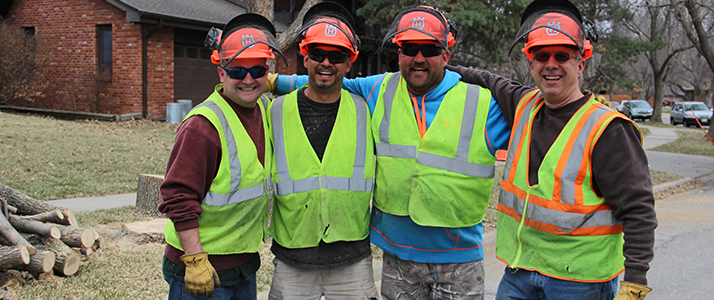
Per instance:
x=520, y=228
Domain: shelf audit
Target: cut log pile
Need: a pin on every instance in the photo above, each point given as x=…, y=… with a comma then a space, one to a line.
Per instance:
x=40, y=239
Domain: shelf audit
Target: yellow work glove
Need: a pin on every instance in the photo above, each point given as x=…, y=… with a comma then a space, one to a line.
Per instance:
x=632, y=291
x=200, y=275
x=272, y=82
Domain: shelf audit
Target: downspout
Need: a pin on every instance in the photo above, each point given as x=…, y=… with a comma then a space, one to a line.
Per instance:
x=145, y=68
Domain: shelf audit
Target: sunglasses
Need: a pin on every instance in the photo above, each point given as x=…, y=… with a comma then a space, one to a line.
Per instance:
x=240, y=72
x=335, y=57
x=427, y=50
x=559, y=56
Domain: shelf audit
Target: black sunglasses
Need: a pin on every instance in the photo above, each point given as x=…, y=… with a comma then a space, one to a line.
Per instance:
x=335, y=57
x=559, y=56
x=240, y=72
x=427, y=50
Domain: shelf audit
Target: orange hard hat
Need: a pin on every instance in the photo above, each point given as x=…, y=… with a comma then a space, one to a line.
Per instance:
x=555, y=22
x=556, y=29
x=247, y=35
x=246, y=43
x=421, y=23
x=328, y=23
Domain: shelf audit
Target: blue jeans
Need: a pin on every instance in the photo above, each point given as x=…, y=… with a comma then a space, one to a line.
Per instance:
x=245, y=291
x=530, y=285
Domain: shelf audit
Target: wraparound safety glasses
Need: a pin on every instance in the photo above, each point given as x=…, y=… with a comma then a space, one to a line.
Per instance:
x=240, y=72
x=427, y=50
x=559, y=56
x=335, y=57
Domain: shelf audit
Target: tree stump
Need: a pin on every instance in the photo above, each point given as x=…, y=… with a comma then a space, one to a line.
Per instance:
x=145, y=232
x=148, y=196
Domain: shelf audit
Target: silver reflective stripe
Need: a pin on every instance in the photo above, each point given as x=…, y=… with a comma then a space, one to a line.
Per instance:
x=517, y=134
x=241, y=195
x=388, y=98
x=400, y=151
x=566, y=221
x=572, y=166
x=281, y=160
x=456, y=166
x=355, y=183
x=236, y=195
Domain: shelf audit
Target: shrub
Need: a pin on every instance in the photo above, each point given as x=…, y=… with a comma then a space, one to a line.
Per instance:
x=19, y=64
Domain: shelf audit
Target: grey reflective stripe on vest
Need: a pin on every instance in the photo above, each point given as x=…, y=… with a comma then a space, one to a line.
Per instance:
x=355, y=183
x=572, y=166
x=235, y=195
x=517, y=134
x=459, y=164
x=566, y=221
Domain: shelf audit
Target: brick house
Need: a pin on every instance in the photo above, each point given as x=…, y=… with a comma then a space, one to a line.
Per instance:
x=102, y=52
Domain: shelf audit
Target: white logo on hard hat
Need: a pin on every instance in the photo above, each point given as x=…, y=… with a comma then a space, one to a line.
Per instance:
x=330, y=31
x=551, y=31
x=418, y=22
x=247, y=39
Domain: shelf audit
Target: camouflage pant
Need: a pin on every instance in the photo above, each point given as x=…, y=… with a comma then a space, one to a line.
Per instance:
x=404, y=279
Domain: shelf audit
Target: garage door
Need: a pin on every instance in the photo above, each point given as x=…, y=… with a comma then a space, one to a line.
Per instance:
x=194, y=74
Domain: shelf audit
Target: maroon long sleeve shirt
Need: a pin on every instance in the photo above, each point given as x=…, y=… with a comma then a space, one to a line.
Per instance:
x=192, y=165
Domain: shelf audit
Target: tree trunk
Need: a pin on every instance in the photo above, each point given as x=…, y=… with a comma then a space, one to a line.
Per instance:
x=41, y=262
x=25, y=205
x=68, y=260
x=32, y=226
x=77, y=237
x=285, y=38
x=13, y=257
x=148, y=196
x=55, y=216
x=11, y=236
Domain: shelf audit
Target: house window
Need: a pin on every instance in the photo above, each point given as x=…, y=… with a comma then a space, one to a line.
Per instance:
x=29, y=32
x=104, y=49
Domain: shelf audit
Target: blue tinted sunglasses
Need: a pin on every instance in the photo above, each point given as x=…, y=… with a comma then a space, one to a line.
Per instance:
x=240, y=72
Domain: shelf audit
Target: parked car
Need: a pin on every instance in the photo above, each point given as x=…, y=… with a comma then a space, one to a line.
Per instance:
x=686, y=113
x=637, y=109
x=666, y=102
x=615, y=106
x=622, y=105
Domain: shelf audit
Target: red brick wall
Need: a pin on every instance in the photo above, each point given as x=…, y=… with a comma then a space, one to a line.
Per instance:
x=292, y=58
x=67, y=31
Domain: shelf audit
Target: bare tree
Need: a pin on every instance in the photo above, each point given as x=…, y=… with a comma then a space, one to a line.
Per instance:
x=697, y=24
x=657, y=29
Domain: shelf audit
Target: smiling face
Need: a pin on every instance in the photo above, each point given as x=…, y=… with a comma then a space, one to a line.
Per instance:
x=557, y=79
x=325, y=77
x=421, y=73
x=245, y=92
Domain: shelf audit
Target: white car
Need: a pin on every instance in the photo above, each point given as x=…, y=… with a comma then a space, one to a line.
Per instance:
x=687, y=112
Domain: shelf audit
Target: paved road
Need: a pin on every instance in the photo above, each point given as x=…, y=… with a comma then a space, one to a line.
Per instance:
x=683, y=262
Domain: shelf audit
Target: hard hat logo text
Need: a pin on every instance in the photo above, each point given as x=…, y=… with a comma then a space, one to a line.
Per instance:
x=247, y=39
x=418, y=22
x=550, y=31
x=330, y=31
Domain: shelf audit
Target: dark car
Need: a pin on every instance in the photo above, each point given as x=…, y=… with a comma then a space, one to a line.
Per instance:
x=637, y=109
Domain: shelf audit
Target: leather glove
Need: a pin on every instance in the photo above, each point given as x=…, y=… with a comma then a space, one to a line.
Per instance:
x=200, y=275
x=632, y=291
x=272, y=82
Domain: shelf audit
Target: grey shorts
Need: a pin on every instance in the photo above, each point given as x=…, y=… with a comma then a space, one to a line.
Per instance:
x=404, y=279
x=355, y=281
